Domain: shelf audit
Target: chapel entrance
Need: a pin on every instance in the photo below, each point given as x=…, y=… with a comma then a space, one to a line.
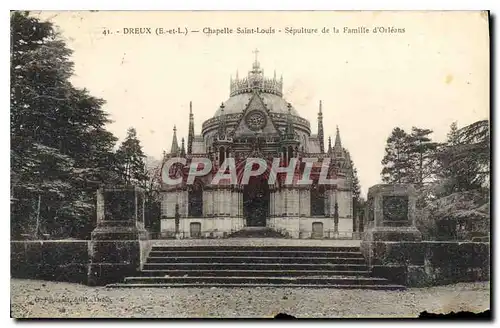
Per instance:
x=256, y=202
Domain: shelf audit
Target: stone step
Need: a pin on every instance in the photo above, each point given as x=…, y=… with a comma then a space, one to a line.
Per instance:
x=255, y=260
x=216, y=248
x=256, y=232
x=263, y=285
x=254, y=266
x=253, y=273
x=312, y=280
x=264, y=253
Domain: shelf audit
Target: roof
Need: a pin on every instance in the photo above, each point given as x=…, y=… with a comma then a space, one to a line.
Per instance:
x=238, y=103
x=198, y=146
x=313, y=145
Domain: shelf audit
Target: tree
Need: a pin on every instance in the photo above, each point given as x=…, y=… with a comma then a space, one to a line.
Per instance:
x=131, y=160
x=396, y=162
x=60, y=149
x=461, y=209
x=358, y=202
x=465, y=158
x=356, y=187
x=152, y=188
x=422, y=156
x=453, y=137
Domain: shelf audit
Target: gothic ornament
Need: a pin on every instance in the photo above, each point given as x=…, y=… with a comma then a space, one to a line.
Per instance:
x=255, y=120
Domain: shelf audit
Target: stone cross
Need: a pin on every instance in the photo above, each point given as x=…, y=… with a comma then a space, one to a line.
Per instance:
x=256, y=52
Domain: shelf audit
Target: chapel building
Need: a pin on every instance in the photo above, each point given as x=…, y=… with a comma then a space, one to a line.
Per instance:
x=256, y=121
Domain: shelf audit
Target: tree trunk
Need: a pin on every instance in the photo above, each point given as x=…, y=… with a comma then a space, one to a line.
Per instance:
x=37, y=226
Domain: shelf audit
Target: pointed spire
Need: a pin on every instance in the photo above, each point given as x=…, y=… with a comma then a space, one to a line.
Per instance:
x=274, y=74
x=329, y=144
x=183, y=150
x=222, y=124
x=237, y=75
x=321, y=136
x=289, y=123
x=191, y=129
x=175, y=146
x=338, y=143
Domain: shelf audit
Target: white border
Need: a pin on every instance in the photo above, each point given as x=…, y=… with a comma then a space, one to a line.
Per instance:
x=492, y=5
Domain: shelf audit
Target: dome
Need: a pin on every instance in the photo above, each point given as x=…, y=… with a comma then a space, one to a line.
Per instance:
x=237, y=104
x=269, y=89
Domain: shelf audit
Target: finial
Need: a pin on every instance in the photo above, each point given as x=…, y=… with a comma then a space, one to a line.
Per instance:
x=183, y=149
x=275, y=74
x=338, y=143
x=190, y=107
x=320, y=107
x=236, y=74
x=256, y=64
x=329, y=143
x=256, y=52
x=289, y=107
x=175, y=128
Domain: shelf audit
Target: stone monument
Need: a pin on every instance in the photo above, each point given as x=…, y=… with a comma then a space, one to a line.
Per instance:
x=391, y=243
x=390, y=214
x=115, y=242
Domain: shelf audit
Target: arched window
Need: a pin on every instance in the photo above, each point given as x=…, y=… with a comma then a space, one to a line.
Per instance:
x=290, y=153
x=222, y=155
x=195, y=201
x=317, y=199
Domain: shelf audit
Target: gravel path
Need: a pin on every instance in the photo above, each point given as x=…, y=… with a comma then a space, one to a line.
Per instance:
x=34, y=298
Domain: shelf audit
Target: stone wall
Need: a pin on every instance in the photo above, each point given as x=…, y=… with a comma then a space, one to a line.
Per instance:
x=80, y=261
x=302, y=227
x=428, y=263
x=214, y=227
x=50, y=260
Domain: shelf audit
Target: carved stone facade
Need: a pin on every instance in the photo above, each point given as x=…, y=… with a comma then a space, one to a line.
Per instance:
x=256, y=121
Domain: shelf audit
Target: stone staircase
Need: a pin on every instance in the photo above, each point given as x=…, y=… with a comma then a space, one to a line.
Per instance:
x=256, y=266
x=256, y=232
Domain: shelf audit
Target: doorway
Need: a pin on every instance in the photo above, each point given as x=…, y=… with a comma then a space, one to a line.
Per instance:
x=256, y=202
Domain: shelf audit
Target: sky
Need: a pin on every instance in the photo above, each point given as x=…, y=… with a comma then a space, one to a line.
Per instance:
x=432, y=74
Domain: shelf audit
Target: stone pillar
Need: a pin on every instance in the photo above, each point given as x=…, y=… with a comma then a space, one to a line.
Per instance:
x=296, y=200
x=229, y=202
x=391, y=213
x=390, y=223
x=240, y=203
x=234, y=204
x=333, y=201
x=336, y=219
x=205, y=203
x=271, y=203
x=328, y=211
x=209, y=203
x=115, y=245
x=277, y=205
x=305, y=202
